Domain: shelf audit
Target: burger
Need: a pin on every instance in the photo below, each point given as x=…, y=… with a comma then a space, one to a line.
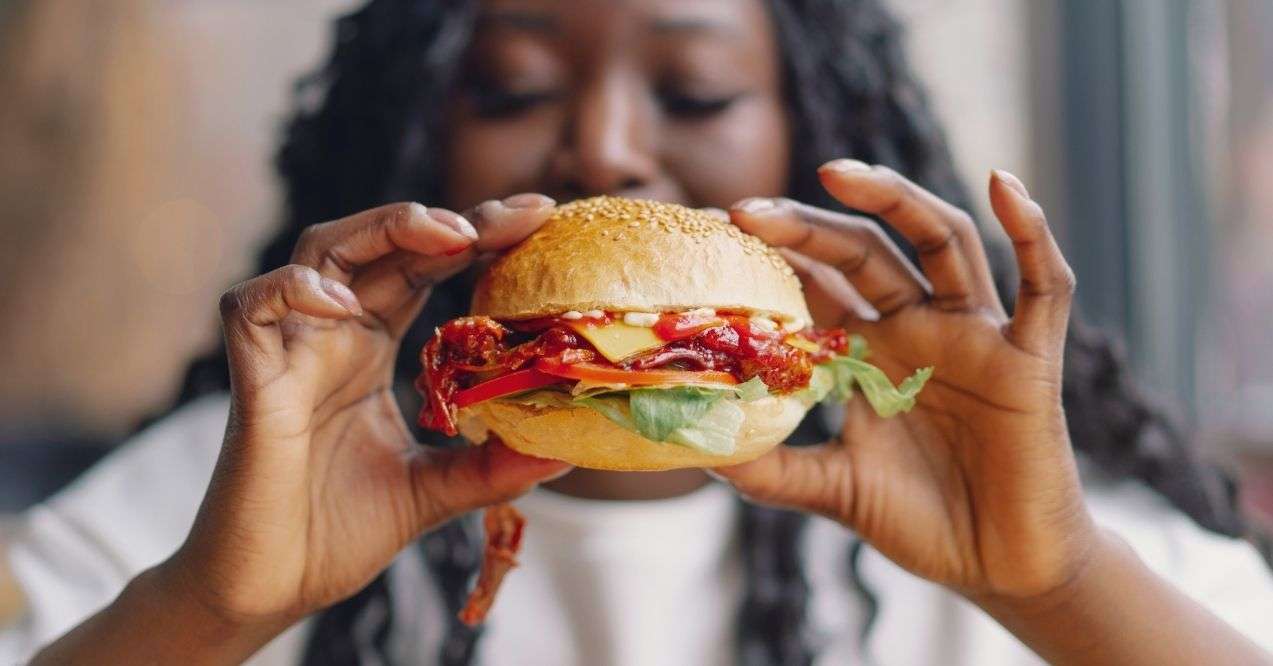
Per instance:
x=636, y=336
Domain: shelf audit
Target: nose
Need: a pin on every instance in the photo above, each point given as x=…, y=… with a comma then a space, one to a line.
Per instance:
x=607, y=147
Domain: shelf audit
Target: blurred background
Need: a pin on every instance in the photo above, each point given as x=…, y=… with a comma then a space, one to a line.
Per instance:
x=136, y=139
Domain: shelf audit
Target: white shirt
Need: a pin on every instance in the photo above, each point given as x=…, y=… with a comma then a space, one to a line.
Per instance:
x=648, y=582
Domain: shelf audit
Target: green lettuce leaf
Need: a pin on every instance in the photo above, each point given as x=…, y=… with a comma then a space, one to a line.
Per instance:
x=613, y=407
x=716, y=432
x=707, y=420
x=752, y=389
x=842, y=378
x=836, y=379
x=820, y=384
x=885, y=399
x=657, y=412
x=857, y=347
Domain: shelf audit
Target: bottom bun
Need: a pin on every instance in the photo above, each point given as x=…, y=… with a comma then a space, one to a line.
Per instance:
x=585, y=438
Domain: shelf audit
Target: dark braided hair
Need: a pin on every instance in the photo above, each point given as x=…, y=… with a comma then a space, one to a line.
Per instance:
x=363, y=134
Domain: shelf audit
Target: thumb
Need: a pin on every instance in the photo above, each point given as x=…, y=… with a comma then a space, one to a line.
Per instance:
x=812, y=479
x=446, y=484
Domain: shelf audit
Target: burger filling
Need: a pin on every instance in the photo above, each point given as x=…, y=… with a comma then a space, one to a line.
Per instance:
x=671, y=377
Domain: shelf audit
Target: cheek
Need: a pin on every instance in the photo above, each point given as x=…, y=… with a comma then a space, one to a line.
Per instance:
x=743, y=154
x=487, y=160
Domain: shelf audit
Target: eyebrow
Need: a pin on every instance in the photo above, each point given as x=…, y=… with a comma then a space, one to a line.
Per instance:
x=520, y=19
x=691, y=24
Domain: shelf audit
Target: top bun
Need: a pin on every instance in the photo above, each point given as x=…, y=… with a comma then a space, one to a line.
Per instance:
x=628, y=255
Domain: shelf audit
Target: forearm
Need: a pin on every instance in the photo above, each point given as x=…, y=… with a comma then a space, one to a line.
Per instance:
x=153, y=621
x=1118, y=611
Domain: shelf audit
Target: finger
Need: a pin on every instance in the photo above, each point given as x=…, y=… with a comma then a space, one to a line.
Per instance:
x=504, y=223
x=446, y=484
x=337, y=249
x=852, y=245
x=396, y=287
x=831, y=296
x=252, y=311
x=809, y=478
x=945, y=237
x=1047, y=282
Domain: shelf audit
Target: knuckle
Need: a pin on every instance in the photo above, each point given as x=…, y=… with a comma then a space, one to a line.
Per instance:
x=962, y=223
x=296, y=274
x=231, y=302
x=939, y=240
x=904, y=190
x=309, y=236
x=873, y=234
x=1035, y=212
x=953, y=302
x=400, y=215
x=854, y=261
x=1036, y=220
x=891, y=177
x=1069, y=282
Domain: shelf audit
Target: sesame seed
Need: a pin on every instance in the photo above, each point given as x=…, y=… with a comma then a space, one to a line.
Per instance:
x=613, y=216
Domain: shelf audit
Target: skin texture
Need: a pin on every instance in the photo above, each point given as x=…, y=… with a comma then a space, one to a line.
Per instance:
x=319, y=483
x=610, y=98
x=979, y=478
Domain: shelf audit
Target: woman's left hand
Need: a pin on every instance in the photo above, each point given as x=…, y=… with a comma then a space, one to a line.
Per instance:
x=976, y=488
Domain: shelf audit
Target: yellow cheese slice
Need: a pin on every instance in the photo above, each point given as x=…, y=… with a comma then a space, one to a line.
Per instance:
x=617, y=341
x=801, y=343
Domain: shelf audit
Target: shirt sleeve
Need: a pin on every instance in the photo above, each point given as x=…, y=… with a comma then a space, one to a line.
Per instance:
x=72, y=554
x=1224, y=574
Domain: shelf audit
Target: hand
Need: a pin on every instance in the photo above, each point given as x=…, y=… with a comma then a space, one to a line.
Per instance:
x=977, y=487
x=320, y=483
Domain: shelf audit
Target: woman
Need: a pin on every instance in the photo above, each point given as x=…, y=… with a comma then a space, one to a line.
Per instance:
x=319, y=485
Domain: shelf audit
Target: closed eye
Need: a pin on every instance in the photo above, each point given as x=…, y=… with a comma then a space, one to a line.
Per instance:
x=495, y=102
x=693, y=107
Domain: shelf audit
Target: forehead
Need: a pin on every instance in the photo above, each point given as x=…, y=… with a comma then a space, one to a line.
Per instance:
x=733, y=19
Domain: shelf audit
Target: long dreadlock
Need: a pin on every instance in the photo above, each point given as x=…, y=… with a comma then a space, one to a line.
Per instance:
x=363, y=134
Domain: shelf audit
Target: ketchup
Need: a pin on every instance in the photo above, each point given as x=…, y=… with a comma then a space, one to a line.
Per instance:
x=677, y=326
x=468, y=350
x=731, y=343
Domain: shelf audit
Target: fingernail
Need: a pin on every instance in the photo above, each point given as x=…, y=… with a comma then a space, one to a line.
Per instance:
x=845, y=165
x=454, y=221
x=342, y=295
x=866, y=313
x=757, y=205
x=1012, y=181
x=528, y=200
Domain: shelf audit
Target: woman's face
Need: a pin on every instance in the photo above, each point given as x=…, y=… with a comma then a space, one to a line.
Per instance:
x=658, y=99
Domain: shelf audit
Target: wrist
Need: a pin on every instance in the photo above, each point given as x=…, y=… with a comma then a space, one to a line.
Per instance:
x=1071, y=618
x=1103, y=550
x=175, y=588
x=156, y=620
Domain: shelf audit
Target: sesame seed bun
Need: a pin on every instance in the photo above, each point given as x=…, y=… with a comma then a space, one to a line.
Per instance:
x=585, y=438
x=626, y=255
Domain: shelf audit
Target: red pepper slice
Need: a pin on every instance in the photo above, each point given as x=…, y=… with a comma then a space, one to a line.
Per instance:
x=513, y=382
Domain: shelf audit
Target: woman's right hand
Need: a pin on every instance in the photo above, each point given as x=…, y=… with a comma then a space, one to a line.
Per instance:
x=320, y=483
